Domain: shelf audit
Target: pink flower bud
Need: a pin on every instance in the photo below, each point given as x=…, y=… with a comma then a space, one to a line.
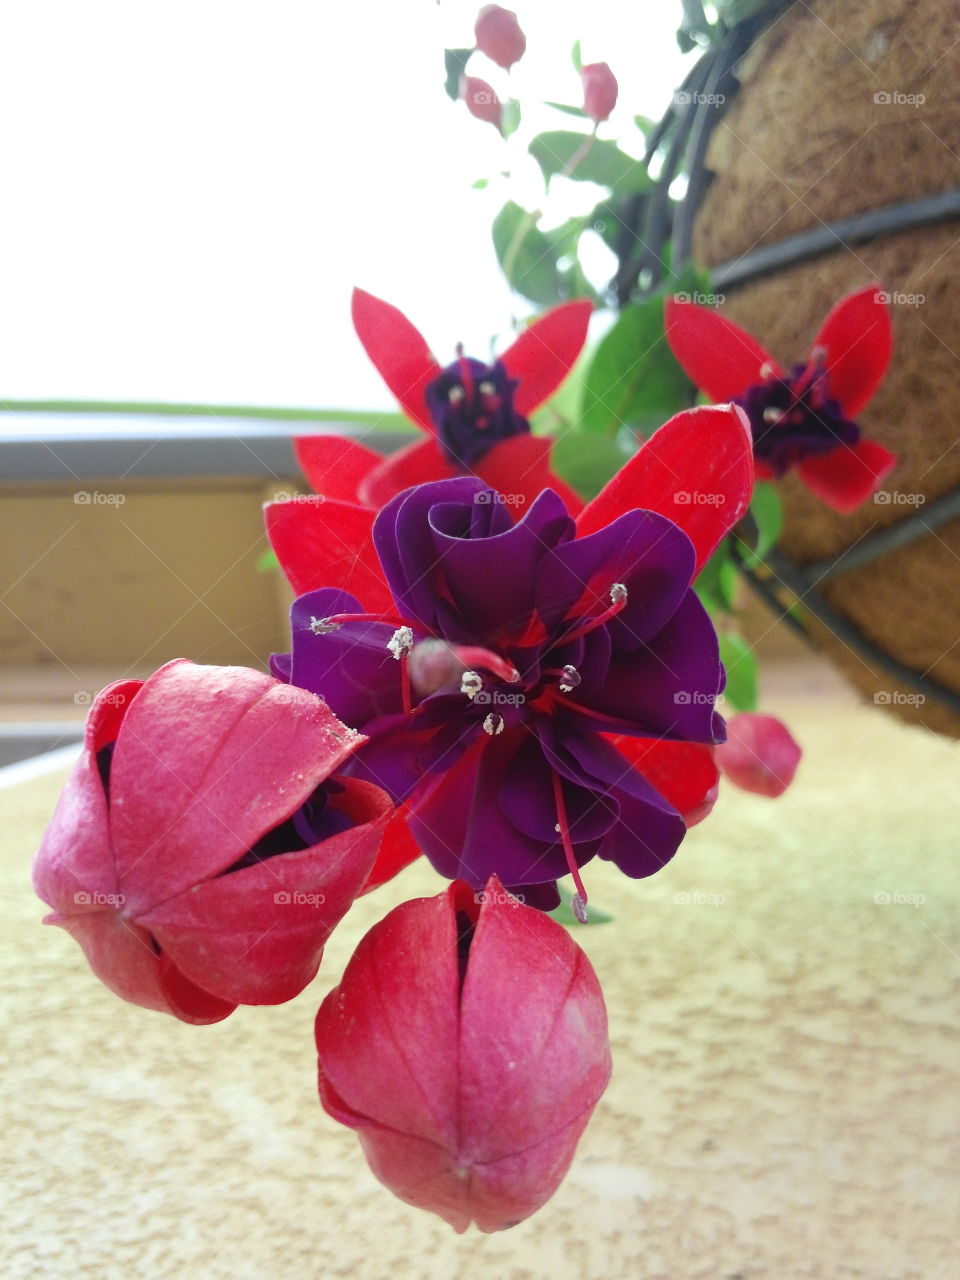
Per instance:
x=467, y=1045
x=760, y=754
x=499, y=36
x=200, y=853
x=599, y=90
x=481, y=100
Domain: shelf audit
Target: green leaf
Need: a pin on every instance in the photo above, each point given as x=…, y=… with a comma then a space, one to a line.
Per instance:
x=767, y=512
x=588, y=159
x=575, y=55
x=717, y=581
x=633, y=379
x=607, y=221
x=455, y=61
x=571, y=111
x=644, y=124
x=564, y=914
x=509, y=116
x=586, y=462
x=480, y=185
x=525, y=255
x=737, y=656
x=267, y=560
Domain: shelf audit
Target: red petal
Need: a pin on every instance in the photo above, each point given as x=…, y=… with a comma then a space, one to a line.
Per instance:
x=697, y=470
x=397, y=851
x=399, y=352
x=858, y=338
x=334, y=465
x=328, y=544
x=684, y=773
x=760, y=754
x=716, y=354
x=416, y=463
x=847, y=475
x=545, y=353
x=519, y=468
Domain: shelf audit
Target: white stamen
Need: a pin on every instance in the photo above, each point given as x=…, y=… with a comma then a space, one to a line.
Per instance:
x=455, y=395
x=569, y=678
x=470, y=684
x=618, y=593
x=401, y=642
x=766, y=371
x=493, y=724
x=579, y=908
x=487, y=388
x=322, y=626
x=772, y=415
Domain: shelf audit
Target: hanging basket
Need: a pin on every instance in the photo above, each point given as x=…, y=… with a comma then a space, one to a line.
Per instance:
x=835, y=163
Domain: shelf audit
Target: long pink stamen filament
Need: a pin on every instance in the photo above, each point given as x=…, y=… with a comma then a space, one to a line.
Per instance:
x=466, y=377
x=592, y=623
x=565, y=835
x=474, y=656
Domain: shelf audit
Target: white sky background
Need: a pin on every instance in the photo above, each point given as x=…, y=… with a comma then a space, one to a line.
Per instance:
x=192, y=188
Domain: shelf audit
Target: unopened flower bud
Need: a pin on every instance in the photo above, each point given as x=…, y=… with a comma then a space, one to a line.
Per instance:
x=481, y=100
x=499, y=36
x=599, y=90
x=760, y=754
x=467, y=1045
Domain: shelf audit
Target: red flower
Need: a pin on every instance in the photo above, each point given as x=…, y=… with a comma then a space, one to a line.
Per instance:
x=759, y=755
x=600, y=90
x=499, y=36
x=467, y=1045
x=483, y=430
x=706, y=450
x=804, y=418
x=201, y=854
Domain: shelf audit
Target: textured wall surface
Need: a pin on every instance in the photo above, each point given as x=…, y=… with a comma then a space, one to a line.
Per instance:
x=784, y=1101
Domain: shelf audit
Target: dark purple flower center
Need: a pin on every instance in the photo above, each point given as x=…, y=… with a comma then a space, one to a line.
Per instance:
x=471, y=405
x=794, y=417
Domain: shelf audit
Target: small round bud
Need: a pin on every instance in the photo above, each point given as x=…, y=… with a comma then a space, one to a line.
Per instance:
x=481, y=99
x=599, y=90
x=499, y=36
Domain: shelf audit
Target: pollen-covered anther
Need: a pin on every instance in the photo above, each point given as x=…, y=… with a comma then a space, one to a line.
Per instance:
x=618, y=593
x=323, y=626
x=772, y=415
x=456, y=395
x=766, y=371
x=401, y=642
x=471, y=684
x=569, y=678
x=493, y=724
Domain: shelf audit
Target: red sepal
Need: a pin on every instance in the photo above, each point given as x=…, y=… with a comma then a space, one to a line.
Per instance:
x=684, y=773
x=847, y=476
x=399, y=352
x=416, y=463
x=397, y=851
x=697, y=470
x=722, y=359
x=545, y=353
x=858, y=338
x=334, y=465
x=328, y=544
x=520, y=468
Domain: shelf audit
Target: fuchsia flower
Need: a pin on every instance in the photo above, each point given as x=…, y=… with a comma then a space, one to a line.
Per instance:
x=499, y=36
x=491, y=662
x=202, y=852
x=804, y=418
x=467, y=1045
x=600, y=90
x=760, y=754
x=475, y=414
